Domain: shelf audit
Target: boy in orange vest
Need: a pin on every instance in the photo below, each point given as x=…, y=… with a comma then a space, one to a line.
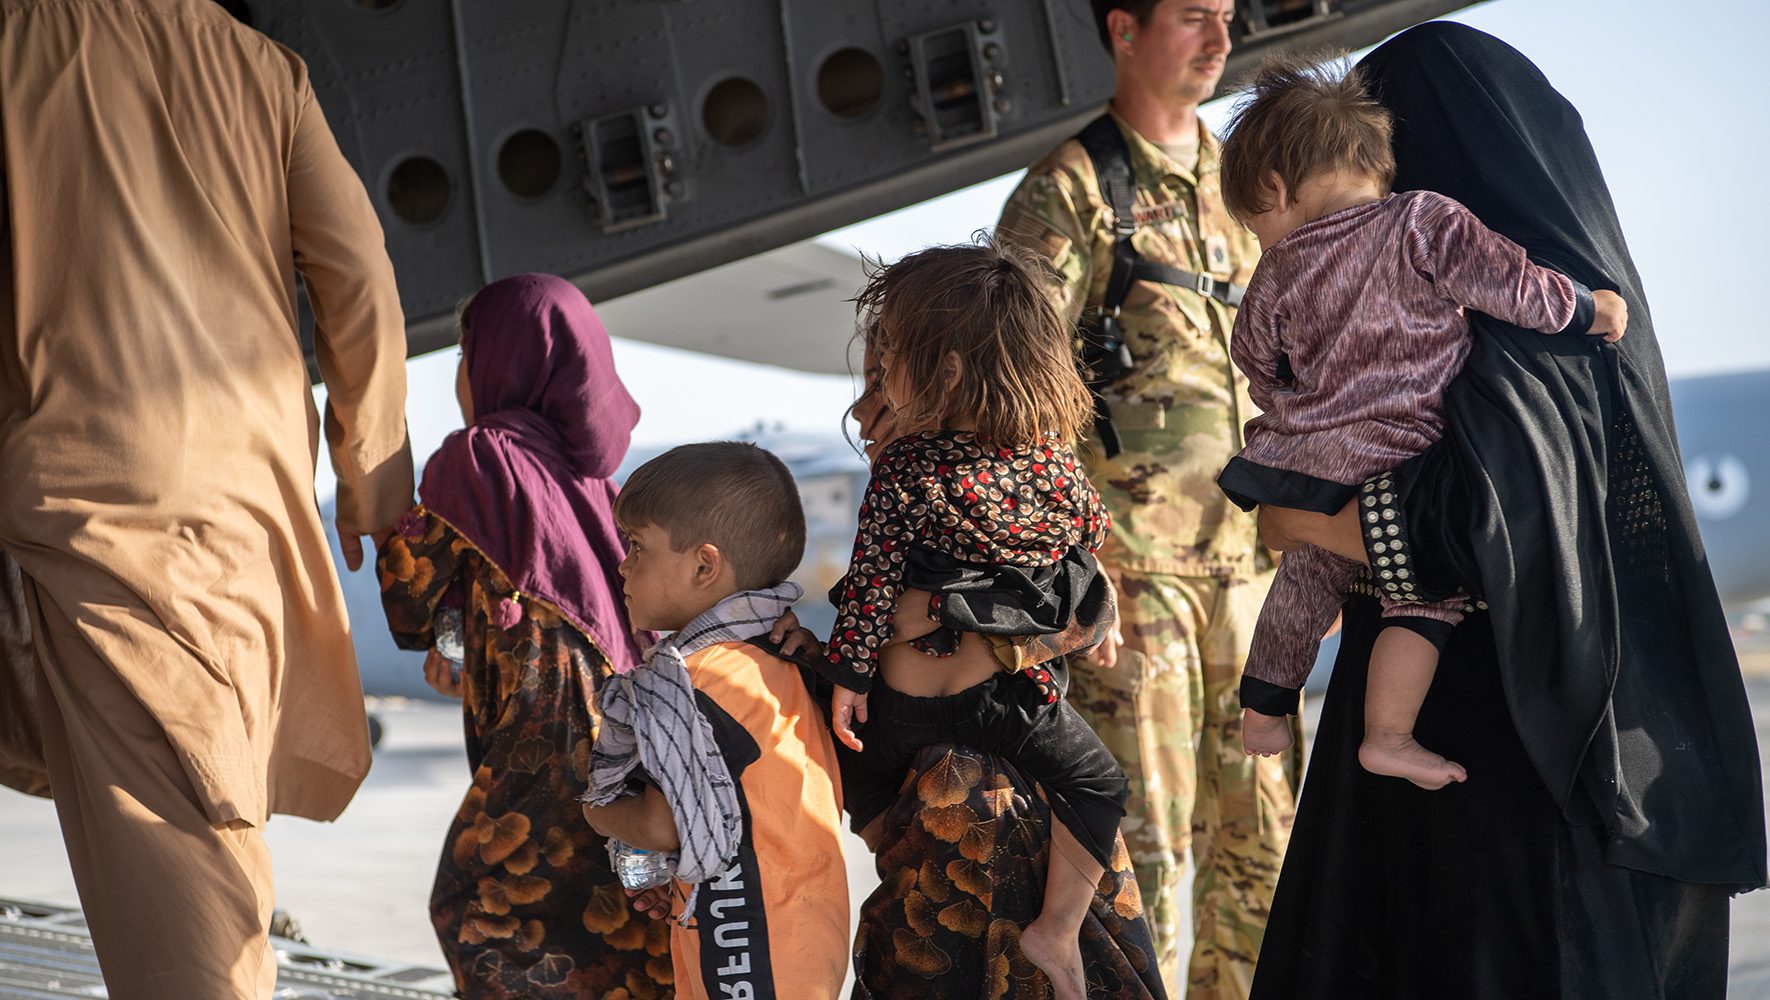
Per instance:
x=714, y=751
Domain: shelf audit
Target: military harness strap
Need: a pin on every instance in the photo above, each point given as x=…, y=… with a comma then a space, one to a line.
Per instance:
x=1106, y=147
x=1105, y=355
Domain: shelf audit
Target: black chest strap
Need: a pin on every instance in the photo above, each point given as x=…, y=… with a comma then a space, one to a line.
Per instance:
x=1112, y=165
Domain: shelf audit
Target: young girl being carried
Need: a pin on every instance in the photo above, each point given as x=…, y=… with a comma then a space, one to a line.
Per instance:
x=973, y=567
x=1350, y=331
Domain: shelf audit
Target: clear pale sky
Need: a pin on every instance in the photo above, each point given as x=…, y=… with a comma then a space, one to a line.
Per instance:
x=1671, y=96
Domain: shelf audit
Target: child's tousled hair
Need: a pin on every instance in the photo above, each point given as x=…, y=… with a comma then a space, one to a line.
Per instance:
x=995, y=306
x=737, y=496
x=1302, y=116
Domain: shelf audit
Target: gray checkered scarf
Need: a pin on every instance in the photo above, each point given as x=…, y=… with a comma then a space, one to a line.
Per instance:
x=650, y=720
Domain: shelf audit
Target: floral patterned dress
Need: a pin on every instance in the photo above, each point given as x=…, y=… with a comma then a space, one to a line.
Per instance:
x=961, y=863
x=944, y=491
x=525, y=904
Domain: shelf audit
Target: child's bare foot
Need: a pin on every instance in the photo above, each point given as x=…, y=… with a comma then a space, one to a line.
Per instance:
x=1265, y=734
x=1058, y=954
x=1399, y=756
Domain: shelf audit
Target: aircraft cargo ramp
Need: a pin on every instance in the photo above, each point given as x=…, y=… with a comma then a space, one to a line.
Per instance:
x=46, y=952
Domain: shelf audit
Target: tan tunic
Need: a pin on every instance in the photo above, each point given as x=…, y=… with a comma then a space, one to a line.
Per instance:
x=165, y=172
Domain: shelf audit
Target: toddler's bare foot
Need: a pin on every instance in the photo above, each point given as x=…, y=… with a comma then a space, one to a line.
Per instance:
x=1399, y=756
x=1265, y=734
x=1058, y=954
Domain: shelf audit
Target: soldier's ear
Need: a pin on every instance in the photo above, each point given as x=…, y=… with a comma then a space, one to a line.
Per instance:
x=1121, y=26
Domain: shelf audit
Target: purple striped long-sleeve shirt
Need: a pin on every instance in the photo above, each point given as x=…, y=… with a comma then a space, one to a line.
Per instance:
x=1364, y=307
x=1367, y=305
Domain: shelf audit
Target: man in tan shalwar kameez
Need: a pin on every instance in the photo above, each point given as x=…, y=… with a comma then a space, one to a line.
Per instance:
x=175, y=663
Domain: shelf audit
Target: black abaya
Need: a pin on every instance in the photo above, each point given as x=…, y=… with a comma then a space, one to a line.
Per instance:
x=1613, y=797
x=1478, y=890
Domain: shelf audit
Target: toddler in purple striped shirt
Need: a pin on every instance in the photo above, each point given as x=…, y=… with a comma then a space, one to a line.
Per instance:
x=1351, y=328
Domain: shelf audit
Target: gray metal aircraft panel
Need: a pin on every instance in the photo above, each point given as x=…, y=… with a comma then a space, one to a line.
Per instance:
x=625, y=143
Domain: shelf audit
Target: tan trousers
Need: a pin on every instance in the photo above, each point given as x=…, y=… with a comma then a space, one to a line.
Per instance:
x=178, y=909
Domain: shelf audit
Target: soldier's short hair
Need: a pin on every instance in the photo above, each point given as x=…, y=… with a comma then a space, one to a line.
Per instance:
x=1139, y=9
x=1302, y=116
x=995, y=305
x=733, y=494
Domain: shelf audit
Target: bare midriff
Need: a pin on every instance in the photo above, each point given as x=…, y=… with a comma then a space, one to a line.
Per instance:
x=920, y=675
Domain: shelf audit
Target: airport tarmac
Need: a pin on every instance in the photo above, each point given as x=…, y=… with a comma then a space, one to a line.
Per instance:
x=360, y=885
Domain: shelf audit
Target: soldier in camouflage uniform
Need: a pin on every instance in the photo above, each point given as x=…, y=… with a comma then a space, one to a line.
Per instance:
x=1190, y=571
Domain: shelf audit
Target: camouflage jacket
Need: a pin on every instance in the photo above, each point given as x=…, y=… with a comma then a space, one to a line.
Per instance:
x=1180, y=414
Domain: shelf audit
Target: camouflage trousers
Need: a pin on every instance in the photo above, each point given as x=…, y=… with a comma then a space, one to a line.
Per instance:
x=1171, y=712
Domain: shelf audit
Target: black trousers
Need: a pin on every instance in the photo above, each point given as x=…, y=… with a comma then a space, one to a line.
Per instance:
x=1007, y=717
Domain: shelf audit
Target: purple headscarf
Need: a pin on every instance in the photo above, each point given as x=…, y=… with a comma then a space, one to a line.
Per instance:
x=527, y=483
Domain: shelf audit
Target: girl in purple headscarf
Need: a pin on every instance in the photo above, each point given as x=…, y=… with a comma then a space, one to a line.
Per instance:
x=514, y=549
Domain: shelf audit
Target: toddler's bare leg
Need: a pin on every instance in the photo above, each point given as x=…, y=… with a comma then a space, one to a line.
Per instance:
x=1053, y=940
x=1402, y=665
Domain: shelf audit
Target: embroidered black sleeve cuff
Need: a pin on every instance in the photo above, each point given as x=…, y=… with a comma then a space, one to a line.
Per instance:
x=1268, y=698
x=1387, y=546
x=1583, y=310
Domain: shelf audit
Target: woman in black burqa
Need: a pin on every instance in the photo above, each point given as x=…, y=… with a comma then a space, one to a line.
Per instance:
x=1614, y=799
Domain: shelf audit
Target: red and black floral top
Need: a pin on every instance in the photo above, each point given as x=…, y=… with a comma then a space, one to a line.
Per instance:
x=945, y=491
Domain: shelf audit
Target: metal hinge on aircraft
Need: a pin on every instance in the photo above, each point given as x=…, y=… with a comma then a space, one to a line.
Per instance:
x=631, y=162
x=1265, y=19
x=960, y=82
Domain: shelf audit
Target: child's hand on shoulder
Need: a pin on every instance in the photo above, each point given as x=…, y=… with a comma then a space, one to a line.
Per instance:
x=793, y=637
x=846, y=708
x=1610, y=316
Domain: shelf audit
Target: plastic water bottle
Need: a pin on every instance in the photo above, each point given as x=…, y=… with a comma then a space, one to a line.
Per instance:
x=638, y=868
x=447, y=636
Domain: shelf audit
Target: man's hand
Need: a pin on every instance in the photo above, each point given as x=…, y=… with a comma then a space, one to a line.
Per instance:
x=847, y=708
x=352, y=545
x=791, y=637
x=439, y=673
x=1610, y=316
